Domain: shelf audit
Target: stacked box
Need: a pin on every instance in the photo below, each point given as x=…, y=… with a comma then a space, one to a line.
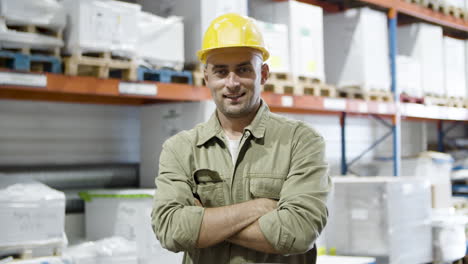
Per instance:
x=344, y=260
x=409, y=76
x=197, y=15
x=47, y=14
x=454, y=66
x=433, y=166
x=424, y=42
x=383, y=217
x=276, y=41
x=32, y=216
x=449, y=241
x=102, y=26
x=112, y=250
x=305, y=24
x=125, y=213
x=161, y=41
x=356, y=49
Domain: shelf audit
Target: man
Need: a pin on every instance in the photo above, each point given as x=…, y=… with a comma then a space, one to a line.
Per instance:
x=248, y=186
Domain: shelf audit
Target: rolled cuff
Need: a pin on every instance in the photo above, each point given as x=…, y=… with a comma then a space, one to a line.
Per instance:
x=275, y=233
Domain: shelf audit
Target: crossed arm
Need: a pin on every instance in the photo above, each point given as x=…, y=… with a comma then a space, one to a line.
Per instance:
x=237, y=224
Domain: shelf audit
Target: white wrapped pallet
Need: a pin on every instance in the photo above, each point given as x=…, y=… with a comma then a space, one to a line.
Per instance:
x=197, y=15
x=112, y=250
x=449, y=241
x=126, y=213
x=424, y=42
x=44, y=13
x=356, y=49
x=43, y=260
x=344, y=260
x=32, y=216
x=161, y=40
x=409, y=76
x=276, y=41
x=383, y=217
x=305, y=25
x=102, y=26
x=433, y=166
x=454, y=67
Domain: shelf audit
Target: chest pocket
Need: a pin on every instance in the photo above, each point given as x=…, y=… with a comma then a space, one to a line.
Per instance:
x=265, y=185
x=211, y=188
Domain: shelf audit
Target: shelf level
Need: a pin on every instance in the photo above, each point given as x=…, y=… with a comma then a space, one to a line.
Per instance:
x=78, y=89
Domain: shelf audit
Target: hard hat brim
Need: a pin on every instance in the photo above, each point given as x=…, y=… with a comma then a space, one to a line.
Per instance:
x=202, y=54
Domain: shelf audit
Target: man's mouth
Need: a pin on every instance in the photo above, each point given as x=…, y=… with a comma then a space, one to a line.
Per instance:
x=233, y=96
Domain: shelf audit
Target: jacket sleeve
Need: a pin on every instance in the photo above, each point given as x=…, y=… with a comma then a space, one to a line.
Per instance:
x=302, y=213
x=176, y=220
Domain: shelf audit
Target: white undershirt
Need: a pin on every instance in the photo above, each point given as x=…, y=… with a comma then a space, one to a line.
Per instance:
x=233, y=145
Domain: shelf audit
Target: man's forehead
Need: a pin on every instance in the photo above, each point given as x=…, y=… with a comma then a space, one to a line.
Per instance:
x=232, y=56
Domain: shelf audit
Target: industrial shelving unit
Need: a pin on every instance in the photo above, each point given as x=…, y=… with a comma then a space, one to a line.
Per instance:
x=57, y=87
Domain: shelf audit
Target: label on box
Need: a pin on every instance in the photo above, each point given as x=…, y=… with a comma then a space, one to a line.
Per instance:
x=287, y=101
x=23, y=79
x=334, y=104
x=138, y=88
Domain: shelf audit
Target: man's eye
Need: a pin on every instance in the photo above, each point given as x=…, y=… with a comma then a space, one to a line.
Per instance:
x=245, y=70
x=220, y=72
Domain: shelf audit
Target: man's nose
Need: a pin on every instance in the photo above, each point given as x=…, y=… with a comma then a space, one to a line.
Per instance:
x=232, y=81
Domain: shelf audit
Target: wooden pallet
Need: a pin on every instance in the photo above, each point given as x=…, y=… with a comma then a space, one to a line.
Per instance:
x=280, y=77
x=280, y=87
x=164, y=75
x=318, y=89
x=431, y=99
x=452, y=11
x=410, y=99
x=29, y=62
x=37, y=30
x=356, y=92
x=29, y=251
x=433, y=4
x=456, y=102
x=101, y=65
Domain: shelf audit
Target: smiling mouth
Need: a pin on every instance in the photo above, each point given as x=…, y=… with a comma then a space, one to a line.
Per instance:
x=233, y=96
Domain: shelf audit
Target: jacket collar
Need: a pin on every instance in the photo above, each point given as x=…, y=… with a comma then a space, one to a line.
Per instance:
x=257, y=127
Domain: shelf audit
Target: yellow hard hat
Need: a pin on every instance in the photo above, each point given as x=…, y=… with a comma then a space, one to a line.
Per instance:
x=232, y=30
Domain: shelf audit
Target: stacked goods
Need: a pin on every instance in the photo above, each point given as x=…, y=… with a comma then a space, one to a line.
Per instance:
x=455, y=8
x=198, y=15
x=305, y=24
x=434, y=166
x=112, y=250
x=383, y=217
x=276, y=41
x=454, y=66
x=424, y=43
x=125, y=213
x=356, y=53
x=32, y=220
x=32, y=24
x=161, y=41
x=449, y=240
x=99, y=31
x=409, y=76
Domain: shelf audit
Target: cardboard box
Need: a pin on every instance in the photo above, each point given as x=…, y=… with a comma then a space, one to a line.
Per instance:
x=424, y=42
x=409, y=76
x=356, y=49
x=383, y=217
x=305, y=24
x=161, y=41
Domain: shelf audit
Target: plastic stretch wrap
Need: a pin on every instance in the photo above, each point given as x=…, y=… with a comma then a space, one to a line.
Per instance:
x=433, y=166
x=409, y=76
x=305, y=29
x=44, y=260
x=356, y=49
x=161, y=41
x=102, y=26
x=125, y=213
x=424, y=42
x=382, y=217
x=31, y=213
x=449, y=241
x=44, y=13
x=113, y=250
x=16, y=39
x=454, y=66
x=276, y=40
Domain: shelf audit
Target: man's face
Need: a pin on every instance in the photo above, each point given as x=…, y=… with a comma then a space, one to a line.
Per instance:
x=235, y=77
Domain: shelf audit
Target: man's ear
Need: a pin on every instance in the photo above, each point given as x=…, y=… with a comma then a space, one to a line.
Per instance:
x=265, y=73
x=205, y=73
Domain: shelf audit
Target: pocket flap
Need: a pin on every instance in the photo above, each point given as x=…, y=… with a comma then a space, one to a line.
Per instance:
x=206, y=176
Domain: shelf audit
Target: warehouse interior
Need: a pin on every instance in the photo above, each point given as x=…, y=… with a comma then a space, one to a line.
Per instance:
x=91, y=89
